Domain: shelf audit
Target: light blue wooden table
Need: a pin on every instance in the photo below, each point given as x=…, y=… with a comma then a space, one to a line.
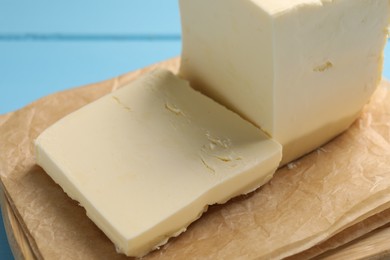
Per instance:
x=47, y=46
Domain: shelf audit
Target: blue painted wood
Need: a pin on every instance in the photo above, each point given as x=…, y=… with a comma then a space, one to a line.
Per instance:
x=35, y=69
x=5, y=251
x=386, y=68
x=89, y=17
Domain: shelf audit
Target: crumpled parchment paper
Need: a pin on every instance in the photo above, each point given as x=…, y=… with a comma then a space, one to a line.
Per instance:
x=343, y=186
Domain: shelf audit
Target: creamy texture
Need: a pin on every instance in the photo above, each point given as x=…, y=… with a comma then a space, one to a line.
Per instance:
x=301, y=70
x=146, y=160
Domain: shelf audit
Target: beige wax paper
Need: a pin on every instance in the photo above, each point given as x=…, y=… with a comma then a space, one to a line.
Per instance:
x=316, y=197
x=373, y=246
x=351, y=238
x=369, y=245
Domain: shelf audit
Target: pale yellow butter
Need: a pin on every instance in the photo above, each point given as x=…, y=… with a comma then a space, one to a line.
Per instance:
x=301, y=70
x=146, y=160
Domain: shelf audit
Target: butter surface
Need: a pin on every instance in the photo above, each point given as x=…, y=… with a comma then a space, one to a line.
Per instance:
x=146, y=160
x=302, y=70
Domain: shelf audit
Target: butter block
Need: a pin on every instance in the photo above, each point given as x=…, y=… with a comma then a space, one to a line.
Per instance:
x=147, y=160
x=302, y=70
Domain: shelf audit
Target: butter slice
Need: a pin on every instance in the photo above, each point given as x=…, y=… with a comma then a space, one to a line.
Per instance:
x=146, y=160
x=302, y=70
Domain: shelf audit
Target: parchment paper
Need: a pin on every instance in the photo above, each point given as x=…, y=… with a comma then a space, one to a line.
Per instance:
x=350, y=238
x=306, y=203
x=373, y=246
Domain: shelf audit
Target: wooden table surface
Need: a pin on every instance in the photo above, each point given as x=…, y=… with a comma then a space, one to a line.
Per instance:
x=48, y=46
